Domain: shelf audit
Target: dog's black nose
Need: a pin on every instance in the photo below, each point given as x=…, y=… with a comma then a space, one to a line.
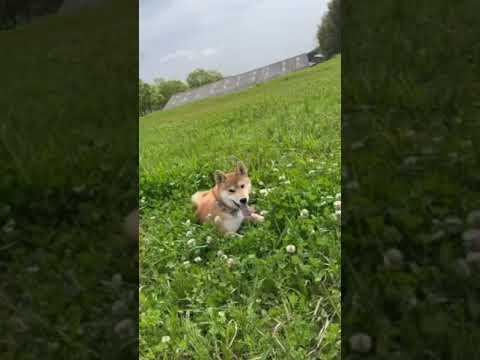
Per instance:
x=243, y=201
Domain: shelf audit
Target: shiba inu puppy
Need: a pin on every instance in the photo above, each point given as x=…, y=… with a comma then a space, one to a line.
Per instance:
x=226, y=204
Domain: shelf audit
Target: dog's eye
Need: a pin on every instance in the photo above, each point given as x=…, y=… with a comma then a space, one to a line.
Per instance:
x=232, y=190
x=242, y=186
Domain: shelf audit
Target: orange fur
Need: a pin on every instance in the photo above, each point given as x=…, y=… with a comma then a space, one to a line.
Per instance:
x=226, y=204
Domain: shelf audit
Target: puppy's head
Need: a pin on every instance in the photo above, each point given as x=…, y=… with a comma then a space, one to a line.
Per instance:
x=234, y=187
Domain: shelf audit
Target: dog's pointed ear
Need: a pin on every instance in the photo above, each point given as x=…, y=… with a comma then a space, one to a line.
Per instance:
x=219, y=177
x=241, y=169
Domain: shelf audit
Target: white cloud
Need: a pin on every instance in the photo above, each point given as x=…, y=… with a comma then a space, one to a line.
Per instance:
x=231, y=36
x=178, y=54
x=189, y=55
x=209, y=51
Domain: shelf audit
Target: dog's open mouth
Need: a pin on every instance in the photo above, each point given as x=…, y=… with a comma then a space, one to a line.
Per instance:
x=243, y=208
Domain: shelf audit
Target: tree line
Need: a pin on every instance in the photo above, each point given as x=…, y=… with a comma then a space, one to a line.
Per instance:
x=153, y=97
x=329, y=31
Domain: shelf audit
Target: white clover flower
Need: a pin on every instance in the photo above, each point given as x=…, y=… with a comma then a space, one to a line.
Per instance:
x=33, y=269
x=191, y=242
x=467, y=143
x=338, y=205
x=471, y=235
x=220, y=253
x=462, y=268
x=165, y=339
x=9, y=226
x=311, y=160
x=263, y=192
x=282, y=177
x=186, y=263
x=427, y=150
x=393, y=258
x=260, y=182
x=198, y=259
x=338, y=215
x=263, y=212
x=189, y=233
x=275, y=170
x=453, y=156
x=472, y=239
x=287, y=182
x=410, y=160
x=231, y=262
x=209, y=240
x=438, y=235
x=291, y=249
x=117, y=279
x=289, y=165
x=360, y=342
x=125, y=328
x=118, y=307
x=453, y=224
x=187, y=222
x=357, y=145
x=78, y=189
x=473, y=219
x=352, y=185
x=304, y=213
x=311, y=172
x=473, y=259
x=413, y=301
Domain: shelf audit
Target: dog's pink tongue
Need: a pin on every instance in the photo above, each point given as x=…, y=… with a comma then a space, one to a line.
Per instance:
x=245, y=211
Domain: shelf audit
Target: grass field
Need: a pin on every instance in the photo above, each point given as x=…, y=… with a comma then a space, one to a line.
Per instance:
x=270, y=304
x=411, y=176
x=68, y=176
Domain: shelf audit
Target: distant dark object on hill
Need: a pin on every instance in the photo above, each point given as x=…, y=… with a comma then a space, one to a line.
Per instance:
x=315, y=57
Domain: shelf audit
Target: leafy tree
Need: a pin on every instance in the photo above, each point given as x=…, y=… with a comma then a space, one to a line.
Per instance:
x=158, y=100
x=329, y=31
x=152, y=97
x=158, y=81
x=200, y=77
x=145, y=97
x=169, y=88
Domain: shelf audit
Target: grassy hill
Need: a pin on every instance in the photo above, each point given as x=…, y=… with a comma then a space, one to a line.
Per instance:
x=270, y=304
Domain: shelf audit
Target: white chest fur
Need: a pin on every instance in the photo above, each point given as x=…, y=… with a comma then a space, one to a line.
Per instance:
x=232, y=223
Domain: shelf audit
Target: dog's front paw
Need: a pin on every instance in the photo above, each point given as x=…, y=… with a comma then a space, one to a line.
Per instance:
x=258, y=217
x=233, y=234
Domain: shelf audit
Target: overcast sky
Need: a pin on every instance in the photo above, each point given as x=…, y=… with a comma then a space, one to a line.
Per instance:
x=232, y=36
